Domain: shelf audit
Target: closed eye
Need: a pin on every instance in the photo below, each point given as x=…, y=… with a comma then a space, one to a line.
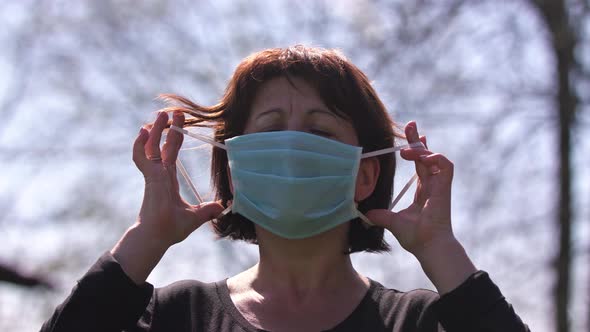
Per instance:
x=271, y=128
x=320, y=132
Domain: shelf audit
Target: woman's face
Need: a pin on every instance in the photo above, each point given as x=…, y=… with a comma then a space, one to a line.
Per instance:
x=295, y=105
x=282, y=105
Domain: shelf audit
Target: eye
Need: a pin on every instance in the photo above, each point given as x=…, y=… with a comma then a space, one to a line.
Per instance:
x=270, y=129
x=321, y=132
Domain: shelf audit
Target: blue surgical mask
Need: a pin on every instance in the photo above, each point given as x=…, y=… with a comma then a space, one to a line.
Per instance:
x=293, y=184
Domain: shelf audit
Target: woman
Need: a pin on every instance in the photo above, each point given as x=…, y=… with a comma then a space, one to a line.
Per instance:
x=294, y=172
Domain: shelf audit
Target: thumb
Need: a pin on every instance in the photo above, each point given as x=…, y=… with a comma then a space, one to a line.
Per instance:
x=207, y=211
x=386, y=219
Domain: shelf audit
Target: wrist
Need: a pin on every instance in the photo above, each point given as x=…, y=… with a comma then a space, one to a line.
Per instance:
x=150, y=237
x=138, y=251
x=446, y=263
x=439, y=246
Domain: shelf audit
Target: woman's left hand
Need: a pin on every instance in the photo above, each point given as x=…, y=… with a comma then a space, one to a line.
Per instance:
x=424, y=228
x=427, y=220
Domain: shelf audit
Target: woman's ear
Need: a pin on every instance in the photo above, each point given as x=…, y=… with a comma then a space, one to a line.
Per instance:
x=367, y=177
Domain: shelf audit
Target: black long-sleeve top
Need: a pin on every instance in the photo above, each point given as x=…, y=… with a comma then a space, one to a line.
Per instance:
x=107, y=300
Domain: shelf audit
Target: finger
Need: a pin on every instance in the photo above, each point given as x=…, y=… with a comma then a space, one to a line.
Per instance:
x=438, y=159
x=139, y=157
x=411, y=131
x=207, y=211
x=173, y=140
x=153, y=143
x=415, y=154
x=437, y=163
x=423, y=140
x=422, y=170
x=389, y=220
x=440, y=184
x=381, y=217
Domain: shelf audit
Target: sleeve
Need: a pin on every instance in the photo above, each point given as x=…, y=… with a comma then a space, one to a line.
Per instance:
x=105, y=299
x=477, y=305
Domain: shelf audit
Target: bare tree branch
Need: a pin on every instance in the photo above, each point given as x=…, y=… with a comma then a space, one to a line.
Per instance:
x=11, y=275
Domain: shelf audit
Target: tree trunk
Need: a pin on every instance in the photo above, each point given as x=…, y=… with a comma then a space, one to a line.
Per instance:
x=563, y=40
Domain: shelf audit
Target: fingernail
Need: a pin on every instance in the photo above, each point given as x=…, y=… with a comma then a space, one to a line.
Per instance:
x=434, y=169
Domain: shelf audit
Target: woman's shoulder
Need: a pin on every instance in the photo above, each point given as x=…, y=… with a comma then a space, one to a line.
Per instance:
x=393, y=304
x=187, y=290
x=177, y=303
x=415, y=297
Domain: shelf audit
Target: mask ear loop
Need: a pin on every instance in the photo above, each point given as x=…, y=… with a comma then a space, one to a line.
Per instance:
x=406, y=186
x=200, y=137
x=187, y=178
x=185, y=174
x=401, y=193
x=392, y=149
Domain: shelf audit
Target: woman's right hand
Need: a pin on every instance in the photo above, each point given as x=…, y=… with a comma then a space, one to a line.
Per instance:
x=164, y=213
x=165, y=218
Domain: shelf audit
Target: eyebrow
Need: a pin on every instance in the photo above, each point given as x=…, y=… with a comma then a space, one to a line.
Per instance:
x=267, y=112
x=308, y=112
x=321, y=111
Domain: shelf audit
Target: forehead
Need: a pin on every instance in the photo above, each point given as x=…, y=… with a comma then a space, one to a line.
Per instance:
x=285, y=91
x=294, y=104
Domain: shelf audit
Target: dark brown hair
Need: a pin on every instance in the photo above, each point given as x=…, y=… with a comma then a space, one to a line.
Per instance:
x=344, y=89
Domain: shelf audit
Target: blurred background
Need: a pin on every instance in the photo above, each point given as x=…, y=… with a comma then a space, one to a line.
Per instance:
x=501, y=87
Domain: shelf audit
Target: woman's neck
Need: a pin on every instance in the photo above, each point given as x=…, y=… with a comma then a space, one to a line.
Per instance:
x=296, y=280
x=300, y=270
